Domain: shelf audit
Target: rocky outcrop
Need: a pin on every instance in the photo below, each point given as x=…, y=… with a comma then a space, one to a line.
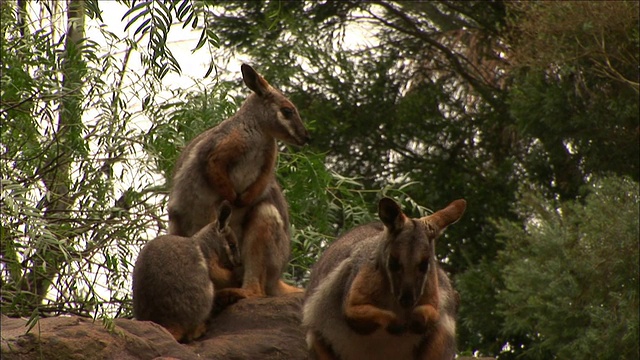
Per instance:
x=262, y=328
x=259, y=328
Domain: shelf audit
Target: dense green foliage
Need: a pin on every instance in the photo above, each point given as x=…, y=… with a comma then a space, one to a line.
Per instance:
x=571, y=274
x=68, y=157
x=528, y=110
x=452, y=95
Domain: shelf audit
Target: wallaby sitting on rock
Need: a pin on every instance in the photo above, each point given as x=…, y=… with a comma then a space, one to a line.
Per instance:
x=235, y=161
x=176, y=278
x=378, y=292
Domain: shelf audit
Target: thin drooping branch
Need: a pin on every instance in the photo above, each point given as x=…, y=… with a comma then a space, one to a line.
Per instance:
x=58, y=182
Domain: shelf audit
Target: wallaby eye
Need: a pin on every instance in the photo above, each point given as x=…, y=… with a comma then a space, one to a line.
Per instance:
x=424, y=265
x=394, y=265
x=287, y=112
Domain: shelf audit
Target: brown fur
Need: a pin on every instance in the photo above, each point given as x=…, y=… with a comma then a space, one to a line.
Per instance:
x=378, y=292
x=235, y=161
x=175, y=278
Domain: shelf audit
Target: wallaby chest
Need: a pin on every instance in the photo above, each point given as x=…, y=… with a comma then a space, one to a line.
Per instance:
x=258, y=160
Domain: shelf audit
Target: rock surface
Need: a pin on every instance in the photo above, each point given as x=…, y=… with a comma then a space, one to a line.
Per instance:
x=266, y=328
x=259, y=328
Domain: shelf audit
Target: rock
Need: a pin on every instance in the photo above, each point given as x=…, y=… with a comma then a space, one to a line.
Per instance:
x=265, y=328
x=261, y=328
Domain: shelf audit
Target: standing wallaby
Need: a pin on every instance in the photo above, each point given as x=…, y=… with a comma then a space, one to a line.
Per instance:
x=378, y=292
x=235, y=161
x=174, y=278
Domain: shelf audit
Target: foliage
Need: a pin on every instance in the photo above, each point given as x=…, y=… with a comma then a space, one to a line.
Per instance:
x=440, y=93
x=601, y=35
x=429, y=102
x=571, y=274
x=322, y=204
x=575, y=91
x=155, y=18
x=75, y=203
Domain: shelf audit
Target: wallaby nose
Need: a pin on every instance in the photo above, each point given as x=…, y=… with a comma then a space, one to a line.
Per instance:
x=406, y=298
x=302, y=137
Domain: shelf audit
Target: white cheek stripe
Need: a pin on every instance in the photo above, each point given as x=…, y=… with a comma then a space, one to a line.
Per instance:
x=201, y=260
x=287, y=125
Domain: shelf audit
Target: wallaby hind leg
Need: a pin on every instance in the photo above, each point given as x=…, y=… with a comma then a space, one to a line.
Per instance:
x=197, y=332
x=265, y=252
x=178, y=332
x=255, y=250
x=282, y=288
x=441, y=345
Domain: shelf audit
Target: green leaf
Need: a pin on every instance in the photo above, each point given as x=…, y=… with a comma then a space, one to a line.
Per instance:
x=137, y=8
x=143, y=28
x=209, y=69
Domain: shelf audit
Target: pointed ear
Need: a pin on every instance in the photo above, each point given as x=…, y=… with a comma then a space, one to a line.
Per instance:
x=391, y=214
x=447, y=216
x=224, y=215
x=254, y=81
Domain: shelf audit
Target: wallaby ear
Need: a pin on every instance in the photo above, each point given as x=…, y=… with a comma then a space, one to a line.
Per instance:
x=447, y=216
x=254, y=81
x=224, y=214
x=390, y=214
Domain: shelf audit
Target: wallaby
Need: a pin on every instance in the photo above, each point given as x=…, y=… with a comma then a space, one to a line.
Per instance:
x=235, y=161
x=176, y=278
x=378, y=292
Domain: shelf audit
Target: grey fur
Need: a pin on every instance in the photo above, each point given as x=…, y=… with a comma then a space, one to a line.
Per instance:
x=192, y=200
x=371, y=246
x=172, y=284
x=247, y=142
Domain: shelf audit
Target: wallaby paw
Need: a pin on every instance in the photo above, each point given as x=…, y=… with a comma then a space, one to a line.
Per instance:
x=423, y=319
x=285, y=289
x=362, y=327
x=197, y=333
x=396, y=328
x=178, y=332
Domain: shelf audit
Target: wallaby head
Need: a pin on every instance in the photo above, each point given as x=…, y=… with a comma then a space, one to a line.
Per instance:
x=230, y=245
x=279, y=117
x=407, y=253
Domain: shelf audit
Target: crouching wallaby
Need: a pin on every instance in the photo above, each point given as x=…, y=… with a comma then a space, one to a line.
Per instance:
x=378, y=292
x=174, y=278
x=235, y=161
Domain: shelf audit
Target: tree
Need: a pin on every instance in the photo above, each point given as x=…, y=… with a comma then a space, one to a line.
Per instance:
x=574, y=91
x=441, y=100
x=84, y=185
x=440, y=94
x=70, y=209
x=571, y=275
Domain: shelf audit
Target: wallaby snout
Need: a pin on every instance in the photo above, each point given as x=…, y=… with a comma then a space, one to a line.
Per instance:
x=407, y=298
x=407, y=285
x=292, y=129
x=288, y=125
